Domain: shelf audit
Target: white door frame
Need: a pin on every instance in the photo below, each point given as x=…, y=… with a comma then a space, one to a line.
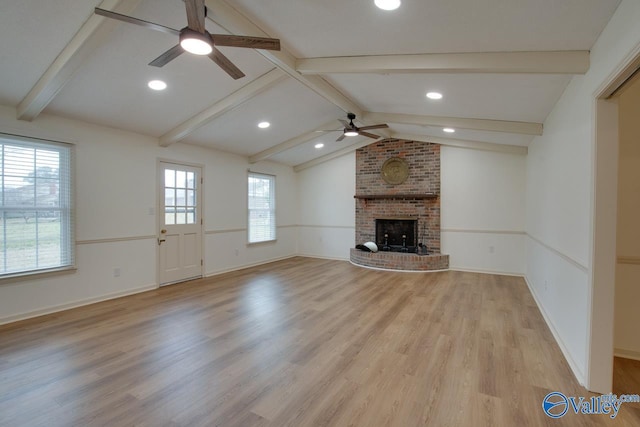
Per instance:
x=604, y=192
x=160, y=204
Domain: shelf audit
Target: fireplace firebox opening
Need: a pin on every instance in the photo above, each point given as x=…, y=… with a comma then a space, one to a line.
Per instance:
x=397, y=234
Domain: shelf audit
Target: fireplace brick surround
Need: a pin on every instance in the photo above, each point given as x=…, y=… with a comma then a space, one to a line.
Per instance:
x=418, y=197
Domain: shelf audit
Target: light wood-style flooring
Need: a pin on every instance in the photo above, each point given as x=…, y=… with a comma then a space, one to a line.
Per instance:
x=300, y=342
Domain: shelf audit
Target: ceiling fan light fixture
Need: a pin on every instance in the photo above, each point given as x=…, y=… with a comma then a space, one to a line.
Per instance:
x=351, y=133
x=195, y=42
x=387, y=4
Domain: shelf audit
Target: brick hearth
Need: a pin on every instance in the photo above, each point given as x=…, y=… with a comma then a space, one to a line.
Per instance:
x=399, y=261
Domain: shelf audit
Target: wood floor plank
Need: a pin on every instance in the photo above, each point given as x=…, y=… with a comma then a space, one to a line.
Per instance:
x=299, y=342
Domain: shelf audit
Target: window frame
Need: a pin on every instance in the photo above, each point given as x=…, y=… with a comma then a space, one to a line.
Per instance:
x=272, y=209
x=66, y=183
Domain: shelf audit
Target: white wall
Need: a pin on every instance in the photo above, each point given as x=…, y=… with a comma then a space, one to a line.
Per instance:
x=627, y=292
x=559, y=195
x=483, y=204
x=326, y=215
x=115, y=190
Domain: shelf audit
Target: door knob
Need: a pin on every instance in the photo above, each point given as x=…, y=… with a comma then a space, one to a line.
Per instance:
x=163, y=231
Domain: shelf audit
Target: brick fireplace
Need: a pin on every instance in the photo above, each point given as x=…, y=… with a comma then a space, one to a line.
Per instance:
x=416, y=200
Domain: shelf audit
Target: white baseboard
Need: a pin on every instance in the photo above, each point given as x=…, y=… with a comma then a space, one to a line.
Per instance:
x=626, y=354
x=324, y=257
x=244, y=266
x=475, y=270
x=75, y=304
x=577, y=373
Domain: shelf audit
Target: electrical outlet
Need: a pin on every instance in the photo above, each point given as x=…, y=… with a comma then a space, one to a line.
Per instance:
x=116, y=272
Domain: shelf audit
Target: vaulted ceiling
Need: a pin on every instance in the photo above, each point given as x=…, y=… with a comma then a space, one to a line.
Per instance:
x=501, y=66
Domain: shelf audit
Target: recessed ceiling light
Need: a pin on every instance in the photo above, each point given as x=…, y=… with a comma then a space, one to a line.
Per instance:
x=157, y=85
x=319, y=145
x=434, y=95
x=264, y=125
x=387, y=4
x=448, y=130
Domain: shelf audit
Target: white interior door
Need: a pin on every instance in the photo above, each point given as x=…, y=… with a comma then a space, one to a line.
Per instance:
x=180, y=224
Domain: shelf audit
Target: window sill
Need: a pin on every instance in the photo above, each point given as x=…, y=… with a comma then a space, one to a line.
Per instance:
x=36, y=274
x=264, y=242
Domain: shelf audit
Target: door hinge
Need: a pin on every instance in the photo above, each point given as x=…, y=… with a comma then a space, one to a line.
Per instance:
x=201, y=221
x=201, y=262
x=201, y=180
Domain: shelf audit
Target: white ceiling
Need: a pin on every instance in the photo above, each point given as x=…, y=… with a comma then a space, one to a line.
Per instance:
x=108, y=80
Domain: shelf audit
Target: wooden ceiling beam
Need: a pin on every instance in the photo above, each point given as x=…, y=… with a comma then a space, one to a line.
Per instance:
x=451, y=142
x=236, y=23
x=553, y=62
x=334, y=155
x=464, y=143
x=228, y=103
x=294, y=142
x=525, y=128
x=83, y=44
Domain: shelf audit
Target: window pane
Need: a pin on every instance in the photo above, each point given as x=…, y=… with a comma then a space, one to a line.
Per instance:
x=21, y=243
x=181, y=215
x=169, y=197
x=191, y=216
x=169, y=178
x=191, y=180
x=181, y=197
x=181, y=179
x=191, y=198
x=49, y=239
x=169, y=216
x=46, y=192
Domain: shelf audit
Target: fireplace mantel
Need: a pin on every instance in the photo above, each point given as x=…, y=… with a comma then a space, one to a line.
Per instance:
x=397, y=196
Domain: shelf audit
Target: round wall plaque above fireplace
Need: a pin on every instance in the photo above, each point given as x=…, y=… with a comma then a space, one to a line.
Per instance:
x=395, y=171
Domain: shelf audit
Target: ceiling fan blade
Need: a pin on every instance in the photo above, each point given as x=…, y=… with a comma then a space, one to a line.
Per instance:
x=195, y=15
x=136, y=21
x=368, y=135
x=167, y=57
x=226, y=64
x=246, y=41
x=380, y=126
x=341, y=137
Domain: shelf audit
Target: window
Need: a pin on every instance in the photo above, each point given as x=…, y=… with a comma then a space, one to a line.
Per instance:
x=262, y=208
x=36, y=212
